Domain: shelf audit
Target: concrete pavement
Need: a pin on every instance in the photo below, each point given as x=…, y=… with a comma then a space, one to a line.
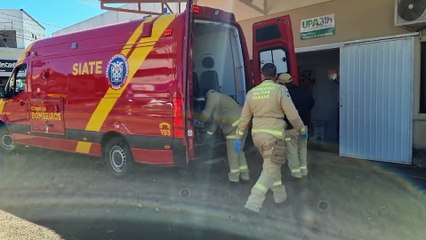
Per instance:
x=342, y=199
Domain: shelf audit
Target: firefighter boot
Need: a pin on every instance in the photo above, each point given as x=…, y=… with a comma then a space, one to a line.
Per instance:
x=256, y=198
x=279, y=192
x=245, y=176
x=296, y=173
x=233, y=177
x=253, y=203
x=304, y=171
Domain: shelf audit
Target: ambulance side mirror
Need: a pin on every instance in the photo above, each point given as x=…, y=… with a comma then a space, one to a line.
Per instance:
x=6, y=91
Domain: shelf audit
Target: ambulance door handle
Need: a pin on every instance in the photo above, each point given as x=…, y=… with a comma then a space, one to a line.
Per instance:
x=22, y=103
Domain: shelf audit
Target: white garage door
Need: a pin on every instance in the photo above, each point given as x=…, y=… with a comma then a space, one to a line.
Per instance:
x=376, y=93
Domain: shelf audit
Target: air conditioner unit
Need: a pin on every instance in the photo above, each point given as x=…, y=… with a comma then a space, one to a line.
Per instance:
x=410, y=13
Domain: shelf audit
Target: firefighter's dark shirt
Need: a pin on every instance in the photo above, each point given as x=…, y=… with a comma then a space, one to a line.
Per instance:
x=303, y=101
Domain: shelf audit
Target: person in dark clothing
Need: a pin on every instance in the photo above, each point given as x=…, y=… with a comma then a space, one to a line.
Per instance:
x=297, y=146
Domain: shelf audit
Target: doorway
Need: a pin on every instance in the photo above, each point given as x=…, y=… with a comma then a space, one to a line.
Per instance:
x=319, y=72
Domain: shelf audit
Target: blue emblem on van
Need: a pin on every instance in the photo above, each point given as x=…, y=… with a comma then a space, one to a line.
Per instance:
x=117, y=71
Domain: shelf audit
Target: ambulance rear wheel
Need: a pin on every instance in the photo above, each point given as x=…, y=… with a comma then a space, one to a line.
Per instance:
x=7, y=145
x=118, y=156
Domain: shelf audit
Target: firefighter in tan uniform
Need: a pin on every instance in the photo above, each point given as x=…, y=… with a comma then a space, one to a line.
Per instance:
x=224, y=112
x=297, y=147
x=267, y=105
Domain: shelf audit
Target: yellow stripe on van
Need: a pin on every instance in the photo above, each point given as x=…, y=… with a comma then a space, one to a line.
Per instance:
x=83, y=147
x=135, y=60
x=2, y=106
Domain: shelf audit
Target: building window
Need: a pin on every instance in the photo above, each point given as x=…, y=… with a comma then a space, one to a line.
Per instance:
x=423, y=79
x=8, y=38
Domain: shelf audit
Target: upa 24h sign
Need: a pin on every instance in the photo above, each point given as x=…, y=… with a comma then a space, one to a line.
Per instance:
x=317, y=27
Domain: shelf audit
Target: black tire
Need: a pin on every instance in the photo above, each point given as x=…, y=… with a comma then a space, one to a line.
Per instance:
x=7, y=145
x=118, y=157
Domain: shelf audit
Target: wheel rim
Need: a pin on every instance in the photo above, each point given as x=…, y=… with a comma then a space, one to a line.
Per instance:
x=118, y=159
x=6, y=142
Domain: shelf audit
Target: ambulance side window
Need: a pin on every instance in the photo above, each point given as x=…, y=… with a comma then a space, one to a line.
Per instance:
x=17, y=82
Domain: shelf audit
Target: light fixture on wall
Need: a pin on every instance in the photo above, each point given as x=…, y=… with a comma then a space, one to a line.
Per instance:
x=333, y=75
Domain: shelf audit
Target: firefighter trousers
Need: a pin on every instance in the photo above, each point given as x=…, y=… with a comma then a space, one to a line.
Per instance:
x=237, y=161
x=270, y=178
x=297, y=154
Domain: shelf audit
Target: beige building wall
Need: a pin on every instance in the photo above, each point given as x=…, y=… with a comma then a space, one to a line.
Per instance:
x=354, y=20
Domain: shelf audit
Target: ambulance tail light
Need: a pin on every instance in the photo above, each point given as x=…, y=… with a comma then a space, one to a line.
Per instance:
x=168, y=32
x=196, y=9
x=178, y=121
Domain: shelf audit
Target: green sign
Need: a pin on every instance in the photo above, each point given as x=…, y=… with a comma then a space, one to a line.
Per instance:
x=318, y=33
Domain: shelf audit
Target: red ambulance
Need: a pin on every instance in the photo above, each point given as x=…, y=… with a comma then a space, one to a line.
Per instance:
x=128, y=92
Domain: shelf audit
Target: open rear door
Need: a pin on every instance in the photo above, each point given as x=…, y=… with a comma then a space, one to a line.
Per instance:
x=187, y=75
x=273, y=43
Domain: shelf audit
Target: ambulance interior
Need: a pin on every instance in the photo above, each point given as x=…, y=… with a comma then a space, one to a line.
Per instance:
x=218, y=64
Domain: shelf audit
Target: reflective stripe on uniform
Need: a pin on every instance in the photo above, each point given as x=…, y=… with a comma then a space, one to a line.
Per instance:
x=232, y=137
x=210, y=133
x=235, y=170
x=272, y=132
x=242, y=168
x=297, y=170
x=277, y=183
x=236, y=123
x=260, y=187
x=303, y=168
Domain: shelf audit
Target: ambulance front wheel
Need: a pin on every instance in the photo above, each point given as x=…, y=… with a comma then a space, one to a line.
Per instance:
x=7, y=144
x=118, y=156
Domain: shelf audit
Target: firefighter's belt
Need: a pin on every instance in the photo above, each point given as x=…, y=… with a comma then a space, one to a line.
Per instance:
x=279, y=152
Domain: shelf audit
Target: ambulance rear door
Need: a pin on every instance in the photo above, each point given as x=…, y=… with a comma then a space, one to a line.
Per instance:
x=188, y=132
x=273, y=43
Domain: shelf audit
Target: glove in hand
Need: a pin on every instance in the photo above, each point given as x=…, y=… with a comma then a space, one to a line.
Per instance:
x=237, y=146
